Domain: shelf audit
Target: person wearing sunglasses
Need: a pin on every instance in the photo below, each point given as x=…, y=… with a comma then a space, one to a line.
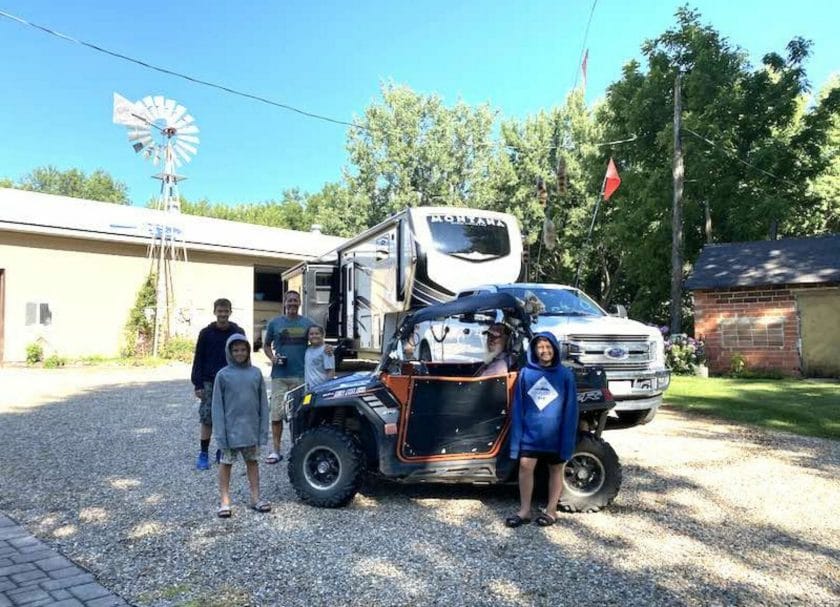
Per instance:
x=497, y=359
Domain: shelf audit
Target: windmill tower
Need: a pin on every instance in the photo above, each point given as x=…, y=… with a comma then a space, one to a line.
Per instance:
x=163, y=132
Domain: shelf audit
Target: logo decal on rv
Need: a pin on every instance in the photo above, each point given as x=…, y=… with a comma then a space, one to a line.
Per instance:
x=466, y=220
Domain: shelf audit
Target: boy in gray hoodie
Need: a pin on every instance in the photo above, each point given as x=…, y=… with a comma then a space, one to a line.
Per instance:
x=240, y=420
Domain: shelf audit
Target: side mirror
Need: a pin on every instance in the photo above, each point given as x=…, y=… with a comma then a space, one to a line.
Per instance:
x=619, y=311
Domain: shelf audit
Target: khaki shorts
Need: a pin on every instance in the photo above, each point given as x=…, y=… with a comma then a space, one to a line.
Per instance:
x=279, y=387
x=249, y=454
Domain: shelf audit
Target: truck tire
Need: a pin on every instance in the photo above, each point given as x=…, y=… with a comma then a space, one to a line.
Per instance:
x=592, y=476
x=326, y=467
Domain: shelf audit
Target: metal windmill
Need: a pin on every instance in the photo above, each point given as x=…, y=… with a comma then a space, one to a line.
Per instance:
x=162, y=131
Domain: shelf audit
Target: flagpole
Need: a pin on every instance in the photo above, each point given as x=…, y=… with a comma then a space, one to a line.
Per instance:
x=589, y=234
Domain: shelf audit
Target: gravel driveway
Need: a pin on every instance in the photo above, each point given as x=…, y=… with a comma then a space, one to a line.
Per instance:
x=98, y=462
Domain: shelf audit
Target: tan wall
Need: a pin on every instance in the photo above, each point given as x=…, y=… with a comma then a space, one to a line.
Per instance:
x=91, y=285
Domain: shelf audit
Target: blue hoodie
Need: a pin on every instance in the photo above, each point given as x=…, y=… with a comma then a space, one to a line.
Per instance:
x=544, y=416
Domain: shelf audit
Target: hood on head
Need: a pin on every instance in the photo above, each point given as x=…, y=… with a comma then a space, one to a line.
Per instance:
x=533, y=361
x=233, y=338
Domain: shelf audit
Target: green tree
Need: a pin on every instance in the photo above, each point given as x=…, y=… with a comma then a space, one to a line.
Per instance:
x=532, y=149
x=750, y=146
x=825, y=187
x=415, y=151
x=75, y=183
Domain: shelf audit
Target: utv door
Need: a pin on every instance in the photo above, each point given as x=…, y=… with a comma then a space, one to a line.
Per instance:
x=455, y=418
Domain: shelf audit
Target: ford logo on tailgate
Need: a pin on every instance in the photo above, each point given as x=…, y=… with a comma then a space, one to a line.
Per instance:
x=615, y=353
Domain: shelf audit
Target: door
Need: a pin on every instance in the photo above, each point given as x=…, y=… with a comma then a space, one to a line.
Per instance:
x=819, y=331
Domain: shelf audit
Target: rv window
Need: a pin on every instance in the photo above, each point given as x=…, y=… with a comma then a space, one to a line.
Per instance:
x=323, y=287
x=473, y=239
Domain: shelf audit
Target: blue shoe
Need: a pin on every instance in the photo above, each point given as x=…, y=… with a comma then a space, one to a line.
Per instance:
x=203, y=461
x=218, y=456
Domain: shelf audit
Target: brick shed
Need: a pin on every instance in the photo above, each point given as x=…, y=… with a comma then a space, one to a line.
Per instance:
x=775, y=302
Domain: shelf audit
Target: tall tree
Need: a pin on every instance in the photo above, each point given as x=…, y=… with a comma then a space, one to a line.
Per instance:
x=74, y=183
x=415, y=151
x=750, y=148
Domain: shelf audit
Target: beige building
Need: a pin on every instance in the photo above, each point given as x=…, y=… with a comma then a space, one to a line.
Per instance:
x=70, y=271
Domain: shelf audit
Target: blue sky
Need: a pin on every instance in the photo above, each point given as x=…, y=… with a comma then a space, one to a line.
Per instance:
x=325, y=57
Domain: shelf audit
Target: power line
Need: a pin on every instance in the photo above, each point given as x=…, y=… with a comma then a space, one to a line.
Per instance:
x=169, y=72
x=736, y=157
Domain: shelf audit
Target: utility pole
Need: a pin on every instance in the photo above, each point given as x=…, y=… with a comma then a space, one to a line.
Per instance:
x=676, y=216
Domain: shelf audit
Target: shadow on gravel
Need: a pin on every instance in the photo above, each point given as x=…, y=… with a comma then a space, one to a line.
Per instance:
x=107, y=477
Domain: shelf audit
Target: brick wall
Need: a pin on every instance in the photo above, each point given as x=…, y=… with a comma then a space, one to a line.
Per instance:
x=759, y=323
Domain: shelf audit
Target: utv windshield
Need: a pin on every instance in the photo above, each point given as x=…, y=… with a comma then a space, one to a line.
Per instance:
x=469, y=237
x=558, y=302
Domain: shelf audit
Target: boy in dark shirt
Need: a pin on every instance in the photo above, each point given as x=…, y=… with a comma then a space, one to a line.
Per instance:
x=208, y=360
x=544, y=420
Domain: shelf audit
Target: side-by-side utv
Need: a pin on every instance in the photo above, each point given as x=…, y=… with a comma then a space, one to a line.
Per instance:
x=415, y=421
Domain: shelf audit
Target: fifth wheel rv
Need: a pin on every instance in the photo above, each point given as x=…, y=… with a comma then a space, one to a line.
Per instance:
x=417, y=257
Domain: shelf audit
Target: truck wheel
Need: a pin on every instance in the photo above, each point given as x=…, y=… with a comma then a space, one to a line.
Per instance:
x=635, y=418
x=425, y=352
x=326, y=467
x=592, y=476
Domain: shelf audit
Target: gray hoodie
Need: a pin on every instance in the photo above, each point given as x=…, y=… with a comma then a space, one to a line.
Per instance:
x=240, y=404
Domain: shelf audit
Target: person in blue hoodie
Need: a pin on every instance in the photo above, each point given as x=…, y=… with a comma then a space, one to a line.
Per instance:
x=240, y=420
x=544, y=420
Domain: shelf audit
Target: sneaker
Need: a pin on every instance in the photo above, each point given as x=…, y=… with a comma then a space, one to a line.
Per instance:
x=203, y=461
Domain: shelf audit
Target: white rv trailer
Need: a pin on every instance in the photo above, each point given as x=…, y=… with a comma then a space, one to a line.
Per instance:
x=417, y=257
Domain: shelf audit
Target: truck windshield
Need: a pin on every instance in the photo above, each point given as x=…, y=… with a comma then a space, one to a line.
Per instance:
x=471, y=238
x=558, y=302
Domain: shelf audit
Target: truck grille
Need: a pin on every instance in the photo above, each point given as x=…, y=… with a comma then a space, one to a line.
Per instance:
x=612, y=352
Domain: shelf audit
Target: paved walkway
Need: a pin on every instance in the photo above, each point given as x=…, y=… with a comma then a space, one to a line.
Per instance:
x=34, y=575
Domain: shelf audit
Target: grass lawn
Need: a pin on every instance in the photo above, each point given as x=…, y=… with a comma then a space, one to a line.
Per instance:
x=809, y=407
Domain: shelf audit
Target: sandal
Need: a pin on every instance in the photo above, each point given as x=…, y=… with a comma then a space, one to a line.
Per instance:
x=545, y=520
x=516, y=521
x=261, y=506
x=223, y=512
x=273, y=458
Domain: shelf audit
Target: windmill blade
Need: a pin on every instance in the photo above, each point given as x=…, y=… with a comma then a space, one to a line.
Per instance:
x=138, y=147
x=159, y=100
x=180, y=156
x=139, y=133
x=179, y=111
x=169, y=104
x=186, y=148
x=187, y=129
x=186, y=120
x=188, y=138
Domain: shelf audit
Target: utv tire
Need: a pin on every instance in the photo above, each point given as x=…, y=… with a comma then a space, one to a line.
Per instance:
x=592, y=476
x=326, y=467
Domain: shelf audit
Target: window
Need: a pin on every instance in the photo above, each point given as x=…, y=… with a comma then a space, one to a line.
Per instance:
x=323, y=287
x=268, y=286
x=752, y=332
x=470, y=238
x=38, y=314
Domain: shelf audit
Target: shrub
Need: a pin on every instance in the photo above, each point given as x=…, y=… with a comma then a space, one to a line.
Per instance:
x=139, y=330
x=683, y=354
x=178, y=348
x=34, y=353
x=54, y=361
x=738, y=369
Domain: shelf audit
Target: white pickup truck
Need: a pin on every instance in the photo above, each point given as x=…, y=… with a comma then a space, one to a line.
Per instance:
x=631, y=353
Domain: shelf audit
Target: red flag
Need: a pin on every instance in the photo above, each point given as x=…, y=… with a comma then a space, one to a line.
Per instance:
x=611, y=180
x=583, y=68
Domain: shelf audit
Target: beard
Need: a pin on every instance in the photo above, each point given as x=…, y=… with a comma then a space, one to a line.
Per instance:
x=493, y=352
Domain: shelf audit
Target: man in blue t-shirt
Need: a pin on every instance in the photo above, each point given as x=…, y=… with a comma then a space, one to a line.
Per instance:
x=285, y=345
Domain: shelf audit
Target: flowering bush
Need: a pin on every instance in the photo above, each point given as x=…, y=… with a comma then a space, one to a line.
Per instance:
x=683, y=354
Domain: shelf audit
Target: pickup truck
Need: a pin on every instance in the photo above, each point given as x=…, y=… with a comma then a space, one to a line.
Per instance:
x=632, y=354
